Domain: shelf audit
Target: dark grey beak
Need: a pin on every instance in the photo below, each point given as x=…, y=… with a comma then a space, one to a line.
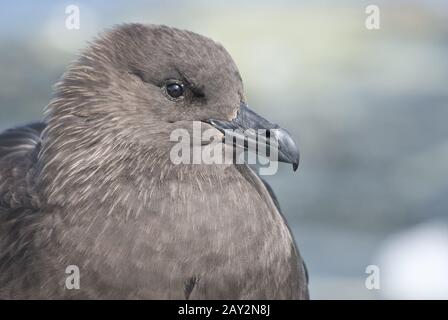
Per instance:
x=250, y=129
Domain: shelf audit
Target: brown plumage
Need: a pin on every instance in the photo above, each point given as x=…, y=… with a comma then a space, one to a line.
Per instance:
x=93, y=185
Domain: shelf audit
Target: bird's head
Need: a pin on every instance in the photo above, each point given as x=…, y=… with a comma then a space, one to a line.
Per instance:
x=135, y=84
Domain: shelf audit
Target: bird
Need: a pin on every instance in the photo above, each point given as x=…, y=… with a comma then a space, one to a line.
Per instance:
x=92, y=185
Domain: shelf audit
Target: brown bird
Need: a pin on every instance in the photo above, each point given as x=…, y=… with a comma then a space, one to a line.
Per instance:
x=94, y=186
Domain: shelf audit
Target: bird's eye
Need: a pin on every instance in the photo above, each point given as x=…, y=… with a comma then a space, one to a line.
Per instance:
x=175, y=90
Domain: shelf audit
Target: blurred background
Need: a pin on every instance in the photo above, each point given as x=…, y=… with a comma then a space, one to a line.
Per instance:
x=368, y=107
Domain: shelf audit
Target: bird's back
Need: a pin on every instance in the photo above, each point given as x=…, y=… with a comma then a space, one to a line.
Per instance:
x=18, y=205
x=18, y=152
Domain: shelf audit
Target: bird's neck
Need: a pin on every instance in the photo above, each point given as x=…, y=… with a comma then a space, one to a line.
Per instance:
x=107, y=175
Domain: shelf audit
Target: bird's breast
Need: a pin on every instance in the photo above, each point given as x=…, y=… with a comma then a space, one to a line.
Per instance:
x=224, y=232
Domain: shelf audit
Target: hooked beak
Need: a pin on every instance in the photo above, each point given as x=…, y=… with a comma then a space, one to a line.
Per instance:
x=249, y=128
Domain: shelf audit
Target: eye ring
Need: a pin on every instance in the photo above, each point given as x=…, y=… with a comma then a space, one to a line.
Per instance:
x=174, y=89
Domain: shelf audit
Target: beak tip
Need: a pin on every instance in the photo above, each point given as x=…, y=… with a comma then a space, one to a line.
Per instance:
x=295, y=165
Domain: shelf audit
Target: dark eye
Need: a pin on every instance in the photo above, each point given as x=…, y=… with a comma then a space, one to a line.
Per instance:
x=175, y=90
